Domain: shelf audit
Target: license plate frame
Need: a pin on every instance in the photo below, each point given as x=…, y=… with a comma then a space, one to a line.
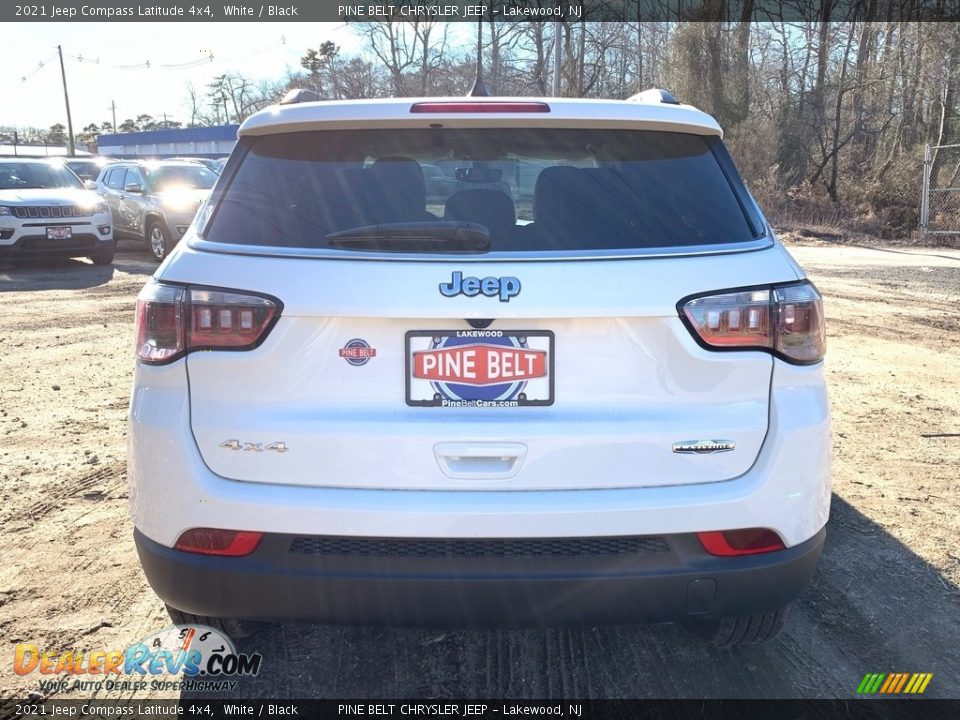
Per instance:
x=59, y=232
x=534, y=348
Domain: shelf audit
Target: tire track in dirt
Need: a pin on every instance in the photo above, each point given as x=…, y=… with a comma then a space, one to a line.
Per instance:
x=69, y=556
x=98, y=485
x=884, y=598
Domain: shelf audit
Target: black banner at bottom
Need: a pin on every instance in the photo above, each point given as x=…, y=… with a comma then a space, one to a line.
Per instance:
x=485, y=709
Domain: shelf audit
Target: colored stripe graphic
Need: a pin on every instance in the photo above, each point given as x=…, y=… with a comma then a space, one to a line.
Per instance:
x=894, y=683
x=903, y=679
x=891, y=683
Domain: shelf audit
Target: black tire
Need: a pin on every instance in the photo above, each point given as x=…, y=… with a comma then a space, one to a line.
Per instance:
x=103, y=258
x=231, y=627
x=158, y=240
x=733, y=632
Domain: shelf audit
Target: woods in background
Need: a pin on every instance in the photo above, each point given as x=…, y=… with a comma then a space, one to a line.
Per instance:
x=827, y=120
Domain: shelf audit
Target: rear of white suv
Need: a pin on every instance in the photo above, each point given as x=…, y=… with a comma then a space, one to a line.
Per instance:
x=578, y=381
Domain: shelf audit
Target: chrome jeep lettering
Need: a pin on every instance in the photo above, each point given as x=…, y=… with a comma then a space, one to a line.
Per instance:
x=504, y=287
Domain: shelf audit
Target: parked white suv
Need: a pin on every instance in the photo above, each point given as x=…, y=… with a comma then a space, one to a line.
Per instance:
x=46, y=210
x=584, y=387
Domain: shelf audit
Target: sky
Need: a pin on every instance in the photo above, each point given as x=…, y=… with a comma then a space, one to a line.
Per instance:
x=257, y=51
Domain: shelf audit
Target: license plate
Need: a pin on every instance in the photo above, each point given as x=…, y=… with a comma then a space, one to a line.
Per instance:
x=59, y=233
x=479, y=368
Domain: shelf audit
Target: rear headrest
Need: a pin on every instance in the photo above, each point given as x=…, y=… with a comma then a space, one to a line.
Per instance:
x=400, y=180
x=555, y=189
x=492, y=208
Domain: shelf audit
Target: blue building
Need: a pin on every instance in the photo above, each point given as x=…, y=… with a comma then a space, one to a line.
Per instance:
x=194, y=142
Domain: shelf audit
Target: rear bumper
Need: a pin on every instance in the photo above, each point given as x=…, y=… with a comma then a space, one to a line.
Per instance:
x=172, y=489
x=449, y=582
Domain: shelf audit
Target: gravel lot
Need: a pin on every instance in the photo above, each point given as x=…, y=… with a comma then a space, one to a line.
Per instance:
x=885, y=598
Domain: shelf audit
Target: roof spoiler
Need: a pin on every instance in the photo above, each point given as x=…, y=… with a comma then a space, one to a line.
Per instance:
x=654, y=95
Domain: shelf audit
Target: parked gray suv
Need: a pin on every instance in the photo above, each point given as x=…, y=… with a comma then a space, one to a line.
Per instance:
x=155, y=201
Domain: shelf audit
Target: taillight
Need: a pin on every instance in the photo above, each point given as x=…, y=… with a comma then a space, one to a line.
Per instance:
x=751, y=541
x=462, y=106
x=159, y=326
x=172, y=321
x=209, y=541
x=786, y=320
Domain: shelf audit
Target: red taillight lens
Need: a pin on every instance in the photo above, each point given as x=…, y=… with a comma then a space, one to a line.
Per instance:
x=227, y=320
x=751, y=541
x=787, y=320
x=480, y=107
x=172, y=321
x=801, y=332
x=229, y=543
x=159, y=328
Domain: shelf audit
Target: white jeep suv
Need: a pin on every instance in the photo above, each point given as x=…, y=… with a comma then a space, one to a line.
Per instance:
x=578, y=381
x=46, y=210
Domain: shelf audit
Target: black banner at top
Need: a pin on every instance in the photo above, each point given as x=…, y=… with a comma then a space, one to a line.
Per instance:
x=484, y=709
x=493, y=10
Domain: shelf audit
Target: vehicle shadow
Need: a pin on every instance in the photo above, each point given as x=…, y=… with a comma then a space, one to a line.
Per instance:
x=50, y=274
x=70, y=274
x=873, y=606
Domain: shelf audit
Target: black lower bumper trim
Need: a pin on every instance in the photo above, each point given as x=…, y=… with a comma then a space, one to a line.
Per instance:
x=278, y=582
x=80, y=245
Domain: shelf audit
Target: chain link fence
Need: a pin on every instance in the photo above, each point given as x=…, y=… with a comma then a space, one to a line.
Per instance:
x=940, y=205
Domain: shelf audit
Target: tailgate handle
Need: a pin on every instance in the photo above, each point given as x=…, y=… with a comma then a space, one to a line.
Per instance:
x=480, y=460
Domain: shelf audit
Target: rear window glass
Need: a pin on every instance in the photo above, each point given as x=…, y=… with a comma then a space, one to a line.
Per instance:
x=533, y=189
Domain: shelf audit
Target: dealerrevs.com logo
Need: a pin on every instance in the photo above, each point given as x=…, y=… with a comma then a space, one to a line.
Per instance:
x=205, y=657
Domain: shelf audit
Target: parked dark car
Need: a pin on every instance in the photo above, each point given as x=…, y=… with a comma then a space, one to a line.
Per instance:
x=87, y=168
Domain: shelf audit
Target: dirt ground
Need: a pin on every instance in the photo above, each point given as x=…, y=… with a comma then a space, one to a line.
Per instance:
x=885, y=598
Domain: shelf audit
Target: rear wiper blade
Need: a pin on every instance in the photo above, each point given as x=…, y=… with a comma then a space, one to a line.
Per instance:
x=442, y=236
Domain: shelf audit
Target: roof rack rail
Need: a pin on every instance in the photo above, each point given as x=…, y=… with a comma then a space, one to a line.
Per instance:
x=300, y=95
x=654, y=95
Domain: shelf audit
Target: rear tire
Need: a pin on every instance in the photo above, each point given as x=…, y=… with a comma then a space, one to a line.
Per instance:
x=733, y=632
x=103, y=258
x=158, y=238
x=231, y=627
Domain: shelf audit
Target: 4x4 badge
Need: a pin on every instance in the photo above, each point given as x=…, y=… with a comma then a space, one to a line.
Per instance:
x=505, y=287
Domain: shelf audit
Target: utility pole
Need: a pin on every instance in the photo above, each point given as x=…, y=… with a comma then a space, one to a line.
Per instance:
x=556, y=57
x=15, y=138
x=113, y=109
x=71, y=147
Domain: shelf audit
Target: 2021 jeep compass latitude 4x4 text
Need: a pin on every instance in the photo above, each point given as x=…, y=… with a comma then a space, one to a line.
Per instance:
x=573, y=378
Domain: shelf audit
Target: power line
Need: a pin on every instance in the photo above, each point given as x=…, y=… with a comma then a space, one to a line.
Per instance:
x=150, y=65
x=208, y=59
x=24, y=78
x=145, y=65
